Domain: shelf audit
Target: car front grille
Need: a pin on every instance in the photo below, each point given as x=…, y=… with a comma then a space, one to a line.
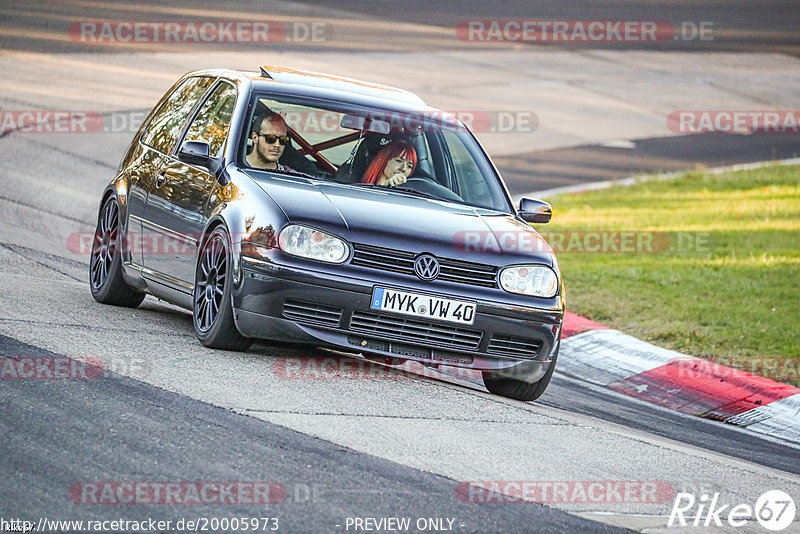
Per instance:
x=514, y=346
x=398, y=261
x=415, y=331
x=308, y=312
x=411, y=331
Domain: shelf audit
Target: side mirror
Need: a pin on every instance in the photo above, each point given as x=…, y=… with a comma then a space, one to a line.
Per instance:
x=196, y=153
x=535, y=211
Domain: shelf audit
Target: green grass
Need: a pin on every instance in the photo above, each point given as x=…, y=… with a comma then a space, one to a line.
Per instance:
x=734, y=299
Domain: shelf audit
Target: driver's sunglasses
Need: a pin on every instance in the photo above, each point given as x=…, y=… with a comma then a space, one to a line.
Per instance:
x=271, y=138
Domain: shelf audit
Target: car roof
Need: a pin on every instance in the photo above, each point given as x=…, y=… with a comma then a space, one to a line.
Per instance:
x=295, y=82
x=338, y=83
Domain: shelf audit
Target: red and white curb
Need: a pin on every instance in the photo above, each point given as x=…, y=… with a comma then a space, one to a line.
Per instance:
x=597, y=354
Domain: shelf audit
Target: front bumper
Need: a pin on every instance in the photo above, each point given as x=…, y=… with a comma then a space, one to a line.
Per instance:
x=289, y=304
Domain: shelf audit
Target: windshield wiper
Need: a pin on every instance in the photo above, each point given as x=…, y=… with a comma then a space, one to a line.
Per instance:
x=418, y=193
x=292, y=172
x=400, y=189
x=362, y=184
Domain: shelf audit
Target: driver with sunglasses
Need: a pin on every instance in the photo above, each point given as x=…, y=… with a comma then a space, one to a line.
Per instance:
x=269, y=137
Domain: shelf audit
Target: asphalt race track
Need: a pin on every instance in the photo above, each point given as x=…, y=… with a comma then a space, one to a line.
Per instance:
x=377, y=444
x=129, y=424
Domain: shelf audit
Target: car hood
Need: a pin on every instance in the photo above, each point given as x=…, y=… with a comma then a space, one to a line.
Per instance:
x=391, y=219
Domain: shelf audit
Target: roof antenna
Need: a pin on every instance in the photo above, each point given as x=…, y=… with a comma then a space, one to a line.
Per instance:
x=265, y=73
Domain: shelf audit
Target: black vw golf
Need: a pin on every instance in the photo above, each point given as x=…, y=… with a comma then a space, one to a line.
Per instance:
x=310, y=208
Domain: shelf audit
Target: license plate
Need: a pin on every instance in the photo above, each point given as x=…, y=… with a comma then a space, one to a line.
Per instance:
x=423, y=306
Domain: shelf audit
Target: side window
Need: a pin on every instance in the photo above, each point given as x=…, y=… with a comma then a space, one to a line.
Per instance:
x=213, y=120
x=166, y=124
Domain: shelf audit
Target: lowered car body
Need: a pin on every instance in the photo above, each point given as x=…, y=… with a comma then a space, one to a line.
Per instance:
x=443, y=270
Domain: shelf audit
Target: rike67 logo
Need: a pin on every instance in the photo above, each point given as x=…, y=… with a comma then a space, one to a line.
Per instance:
x=774, y=510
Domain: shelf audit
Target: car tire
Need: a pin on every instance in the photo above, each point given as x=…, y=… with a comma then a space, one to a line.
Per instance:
x=105, y=264
x=212, y=311
x=518, y=389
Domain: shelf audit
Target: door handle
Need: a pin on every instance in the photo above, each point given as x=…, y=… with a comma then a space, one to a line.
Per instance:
x=161, y=178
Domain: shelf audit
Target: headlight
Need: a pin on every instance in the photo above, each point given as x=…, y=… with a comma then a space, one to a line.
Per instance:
x=312, y=244
x=534, y=280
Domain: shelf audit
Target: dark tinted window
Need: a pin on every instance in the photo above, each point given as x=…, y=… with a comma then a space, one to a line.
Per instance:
x=165, y=127
x=214, y=118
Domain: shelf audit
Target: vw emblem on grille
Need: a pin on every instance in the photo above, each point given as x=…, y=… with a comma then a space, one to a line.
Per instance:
x=426, y=267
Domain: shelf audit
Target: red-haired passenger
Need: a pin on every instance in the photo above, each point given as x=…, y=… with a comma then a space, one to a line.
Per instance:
x=392, y=165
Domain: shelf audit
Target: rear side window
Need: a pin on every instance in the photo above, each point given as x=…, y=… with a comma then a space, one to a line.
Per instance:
x=214, y=119
x=166, y=124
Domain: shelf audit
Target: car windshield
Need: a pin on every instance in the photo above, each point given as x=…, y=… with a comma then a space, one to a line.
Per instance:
x=426, y=153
